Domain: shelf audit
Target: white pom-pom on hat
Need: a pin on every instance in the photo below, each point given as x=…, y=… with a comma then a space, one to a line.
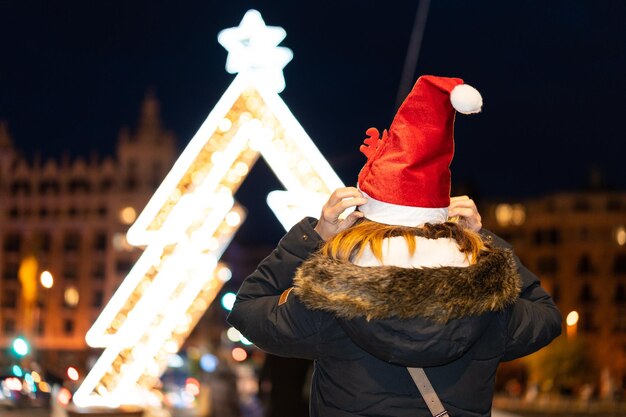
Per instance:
x=466, y=99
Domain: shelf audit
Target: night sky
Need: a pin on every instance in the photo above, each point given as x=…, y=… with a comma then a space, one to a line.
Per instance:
x=552, y=75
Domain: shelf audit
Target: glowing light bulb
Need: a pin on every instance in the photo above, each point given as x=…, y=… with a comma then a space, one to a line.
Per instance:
x=128, y=215
x=233, y=219
x=46, y=279
x=572, y=318
x=225, y=124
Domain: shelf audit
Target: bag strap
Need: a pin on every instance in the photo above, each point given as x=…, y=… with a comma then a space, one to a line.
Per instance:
x=428, y=392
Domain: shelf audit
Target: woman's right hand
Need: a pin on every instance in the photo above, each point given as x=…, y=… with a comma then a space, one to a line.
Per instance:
x=339, y=201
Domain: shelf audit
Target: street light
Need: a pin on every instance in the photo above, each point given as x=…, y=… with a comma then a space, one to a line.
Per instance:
x=46, y=279
x=20, y=346
x=572, y=324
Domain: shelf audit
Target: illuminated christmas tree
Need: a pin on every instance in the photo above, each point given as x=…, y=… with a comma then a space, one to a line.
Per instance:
x=192, y=217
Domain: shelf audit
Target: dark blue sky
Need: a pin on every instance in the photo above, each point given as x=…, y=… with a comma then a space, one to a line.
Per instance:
x=552, y=74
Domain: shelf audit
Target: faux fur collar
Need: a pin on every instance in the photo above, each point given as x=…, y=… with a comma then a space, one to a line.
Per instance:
x=380, y=292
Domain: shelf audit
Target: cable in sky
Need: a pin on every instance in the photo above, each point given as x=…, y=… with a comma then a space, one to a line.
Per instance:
x=412, y=54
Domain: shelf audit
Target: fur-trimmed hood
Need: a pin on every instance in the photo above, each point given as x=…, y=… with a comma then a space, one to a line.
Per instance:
x=380, y=292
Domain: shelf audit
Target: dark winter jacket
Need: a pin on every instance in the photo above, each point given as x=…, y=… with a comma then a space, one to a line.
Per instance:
x=364, y=325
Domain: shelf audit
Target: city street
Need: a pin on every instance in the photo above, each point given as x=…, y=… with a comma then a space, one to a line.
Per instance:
x=27, y=412
x=32, y=412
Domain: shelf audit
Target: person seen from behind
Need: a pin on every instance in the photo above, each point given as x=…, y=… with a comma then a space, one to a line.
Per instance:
x=397, y=285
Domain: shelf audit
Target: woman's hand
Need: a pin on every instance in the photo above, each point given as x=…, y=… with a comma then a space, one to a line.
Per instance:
x=465, y=209
x=341, y=199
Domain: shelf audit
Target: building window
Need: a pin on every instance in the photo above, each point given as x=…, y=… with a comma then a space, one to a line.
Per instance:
x=43, y=212
x=9, y=299
x=71, y=242
x=620, y=294
x=106, y=184
x=44, y=241
x=99, y=271
x=9, y=327
x=584, y=234
x=20, y=187
x=12, y=242
x=586, y=294
x=41, y=327
x=620, y=320
x=103, y=211
x=100, y=242
x=582, y=205
x=619, y=264
x=68, y=327
x=49, y=186
x=613, y=204
x=585, y=267
x=556, y=293
x=14, y=213
x=98, y=298
x=156, y=175
x=41, y=301
x=79, y=185
x=122, y=266
x=10, y=270
x=130, y=183
x=551, y=236
x=587, y=322
x=70, y=271
x=547, y=265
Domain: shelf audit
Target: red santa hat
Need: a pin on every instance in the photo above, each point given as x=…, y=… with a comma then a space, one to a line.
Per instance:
x=407, y=174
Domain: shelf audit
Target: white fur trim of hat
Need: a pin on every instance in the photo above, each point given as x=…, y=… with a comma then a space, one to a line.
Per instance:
x=394, y=214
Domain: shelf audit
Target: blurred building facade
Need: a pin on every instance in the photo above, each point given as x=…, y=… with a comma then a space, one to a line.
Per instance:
x=576, y=243
x=72, y=215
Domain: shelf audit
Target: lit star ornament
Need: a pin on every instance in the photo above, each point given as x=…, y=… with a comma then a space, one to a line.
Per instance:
x=253, y=48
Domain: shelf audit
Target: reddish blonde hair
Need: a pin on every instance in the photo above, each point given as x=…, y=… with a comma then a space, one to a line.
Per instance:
x=350, y=243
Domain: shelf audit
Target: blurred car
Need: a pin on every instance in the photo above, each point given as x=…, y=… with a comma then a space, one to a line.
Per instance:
x=23, y=389
x=6, y=399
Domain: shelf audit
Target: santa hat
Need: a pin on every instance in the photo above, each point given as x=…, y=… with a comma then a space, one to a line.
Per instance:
x=406, y=178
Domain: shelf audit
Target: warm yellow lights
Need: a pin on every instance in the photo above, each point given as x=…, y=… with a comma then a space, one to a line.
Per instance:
x=36, y=377
x=120, y=243
x=191, y=219
x=519, y=214
x=128, y=215
x=510, y=214
x=233, y=219
x=233, y=335
x=224, y=125
x=71, y=296
x=253, y=50
x=572, y=318
x=223, y=274
x=171, y=346
x=239, y=354
x=72, y=373
x=44, y=386
x=620, y=235
x=46, y=279
x=572, y=324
